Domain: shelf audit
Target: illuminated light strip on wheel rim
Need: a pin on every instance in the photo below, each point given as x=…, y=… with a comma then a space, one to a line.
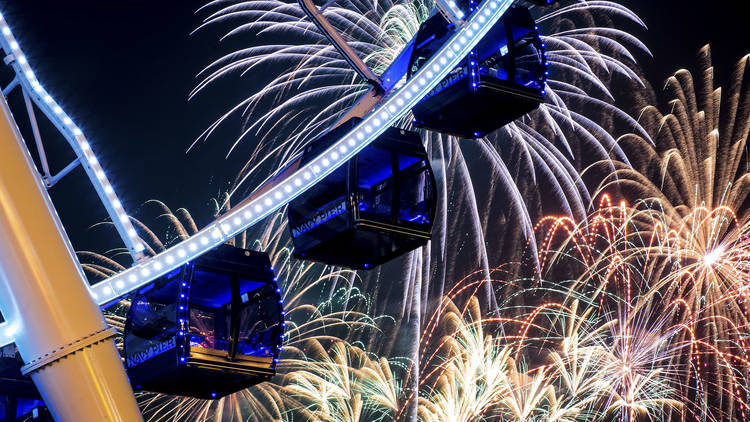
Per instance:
x=75, y=137
x=254, y=209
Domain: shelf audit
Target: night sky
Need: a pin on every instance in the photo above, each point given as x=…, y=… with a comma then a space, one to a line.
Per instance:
x=124, y=73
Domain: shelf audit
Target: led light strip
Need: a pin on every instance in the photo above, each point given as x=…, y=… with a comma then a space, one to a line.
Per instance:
x=450, y=9
x=254, y=209
x=75, y=137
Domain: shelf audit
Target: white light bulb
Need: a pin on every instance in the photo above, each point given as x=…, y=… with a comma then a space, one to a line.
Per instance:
x=14, y=45
x=132, y=233
x=157, y=266
x=107, y=290
x=225, y=228
x=120, y=284
x=277, y=195
x=145, y=272
x=193, y=247
x=181, y=253
x=108, y=189
x=368, y=129
x=237, y=221
x=204, y=240
x=57, y=110
x=334, y=156
x=316, y=169
x=297, y=182
x=267, y=202
x=132, y=278
x=169, y=259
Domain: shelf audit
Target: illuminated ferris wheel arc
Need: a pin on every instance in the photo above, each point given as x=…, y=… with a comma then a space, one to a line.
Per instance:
x=258, y=206
x=35, y=94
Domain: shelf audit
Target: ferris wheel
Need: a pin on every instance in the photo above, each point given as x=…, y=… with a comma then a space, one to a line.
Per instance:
x=466, y=72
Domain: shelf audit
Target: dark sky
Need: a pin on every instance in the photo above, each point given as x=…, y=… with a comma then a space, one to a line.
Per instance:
x=124, y=73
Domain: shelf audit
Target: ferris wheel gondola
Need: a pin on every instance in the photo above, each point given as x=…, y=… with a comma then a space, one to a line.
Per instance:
x=207, y=329
x=379, y=205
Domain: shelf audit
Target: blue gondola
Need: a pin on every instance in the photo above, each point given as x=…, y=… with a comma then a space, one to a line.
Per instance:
x=502, y=79
x=379, y=205
x=207, y=329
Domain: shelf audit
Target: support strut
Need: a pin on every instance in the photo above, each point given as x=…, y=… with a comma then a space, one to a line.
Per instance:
x=60, y=331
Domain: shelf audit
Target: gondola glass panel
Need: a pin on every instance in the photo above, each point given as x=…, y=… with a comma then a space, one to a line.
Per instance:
x=210, y=328
x=377, y=206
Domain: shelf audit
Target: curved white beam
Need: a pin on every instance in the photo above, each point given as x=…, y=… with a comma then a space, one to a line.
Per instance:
x=257, y=207
x=31, y=86
x=254, y=209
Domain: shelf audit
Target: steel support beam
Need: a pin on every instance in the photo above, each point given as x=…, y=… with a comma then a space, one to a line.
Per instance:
x=60, y=331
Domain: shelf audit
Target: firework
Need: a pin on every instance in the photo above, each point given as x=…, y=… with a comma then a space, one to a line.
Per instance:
x=655, y=274
x=693, y=184
x=342, y=383
x=560, y=362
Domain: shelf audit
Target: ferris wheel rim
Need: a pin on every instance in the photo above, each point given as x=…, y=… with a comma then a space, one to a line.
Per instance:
x=256, y=208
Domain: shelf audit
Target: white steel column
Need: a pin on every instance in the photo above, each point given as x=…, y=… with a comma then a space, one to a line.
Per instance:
x=60, y=331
